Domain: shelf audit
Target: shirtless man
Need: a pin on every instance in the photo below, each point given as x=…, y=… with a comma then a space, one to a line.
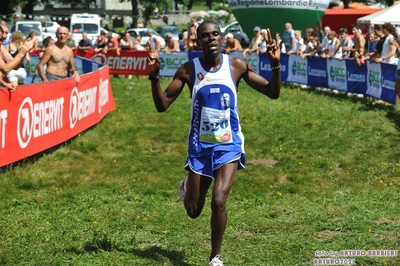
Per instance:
x=191, y=39
x=58, y=57
x=172, y=45
x=359, y=44
x=232, y=44
x=7, y=62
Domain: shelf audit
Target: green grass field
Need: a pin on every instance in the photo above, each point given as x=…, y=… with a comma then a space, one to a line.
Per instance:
x=322, y=175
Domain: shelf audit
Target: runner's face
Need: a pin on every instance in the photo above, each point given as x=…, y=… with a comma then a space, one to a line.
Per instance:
x=210, y=39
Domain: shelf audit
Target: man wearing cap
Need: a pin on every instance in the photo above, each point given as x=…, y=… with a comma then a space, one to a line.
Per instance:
x=232, y=44
x=255, y=42
x=153, y=43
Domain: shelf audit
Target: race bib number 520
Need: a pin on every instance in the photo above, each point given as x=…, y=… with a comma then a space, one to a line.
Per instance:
x=215, y=125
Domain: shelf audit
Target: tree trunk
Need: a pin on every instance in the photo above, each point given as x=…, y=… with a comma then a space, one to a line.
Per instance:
x=28, y=7
x=209, y=4
x=146, y=15
x=190, y=4
x=135, y=13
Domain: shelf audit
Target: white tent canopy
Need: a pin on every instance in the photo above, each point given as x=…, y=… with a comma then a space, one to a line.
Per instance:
x=388, y=15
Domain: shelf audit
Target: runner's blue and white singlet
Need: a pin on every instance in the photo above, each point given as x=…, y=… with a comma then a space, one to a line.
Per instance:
x=215, y=119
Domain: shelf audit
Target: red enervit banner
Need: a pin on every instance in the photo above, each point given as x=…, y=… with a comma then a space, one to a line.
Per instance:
x=39, y=116
x=128, y=62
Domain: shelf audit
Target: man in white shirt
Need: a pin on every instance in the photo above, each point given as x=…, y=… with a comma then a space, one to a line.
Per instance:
x=325, y=40
x=153, y=43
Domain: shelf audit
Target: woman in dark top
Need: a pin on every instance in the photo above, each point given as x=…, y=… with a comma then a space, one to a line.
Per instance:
x=126, y=42
x=378, y=49
x=101, y=42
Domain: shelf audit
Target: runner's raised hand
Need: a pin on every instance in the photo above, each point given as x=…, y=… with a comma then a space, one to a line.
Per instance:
x=273, y=49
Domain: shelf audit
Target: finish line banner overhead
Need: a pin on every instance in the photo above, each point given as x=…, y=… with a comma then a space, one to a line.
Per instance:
x=39, y=116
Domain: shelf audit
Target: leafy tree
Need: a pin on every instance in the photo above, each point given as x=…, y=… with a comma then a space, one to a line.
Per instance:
x=209, y=4
x=28, y=5
x=7, y=8
x=135, y=13
x=147, y=7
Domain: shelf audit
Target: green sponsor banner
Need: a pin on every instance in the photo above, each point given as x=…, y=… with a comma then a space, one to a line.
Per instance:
x=274, y=14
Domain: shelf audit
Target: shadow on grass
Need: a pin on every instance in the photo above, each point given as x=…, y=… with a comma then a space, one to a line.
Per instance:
x=158, y=254
x=391, y=112
x=103, y=243
x=395, y=117
x=154, y=254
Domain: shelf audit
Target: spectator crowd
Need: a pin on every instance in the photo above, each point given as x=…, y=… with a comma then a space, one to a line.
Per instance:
x=378, y=45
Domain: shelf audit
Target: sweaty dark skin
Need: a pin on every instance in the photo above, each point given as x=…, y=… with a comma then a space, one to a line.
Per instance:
x=210, y=42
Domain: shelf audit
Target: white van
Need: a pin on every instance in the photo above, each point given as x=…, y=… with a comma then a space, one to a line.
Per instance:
x=26, y=26
x=89, y=23
x=50, y=29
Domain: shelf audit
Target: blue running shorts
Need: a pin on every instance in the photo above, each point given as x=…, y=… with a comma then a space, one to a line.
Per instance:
x=206, y=165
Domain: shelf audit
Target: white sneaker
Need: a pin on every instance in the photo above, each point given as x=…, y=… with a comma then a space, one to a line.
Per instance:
x=216, y=261
x=182, y=188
